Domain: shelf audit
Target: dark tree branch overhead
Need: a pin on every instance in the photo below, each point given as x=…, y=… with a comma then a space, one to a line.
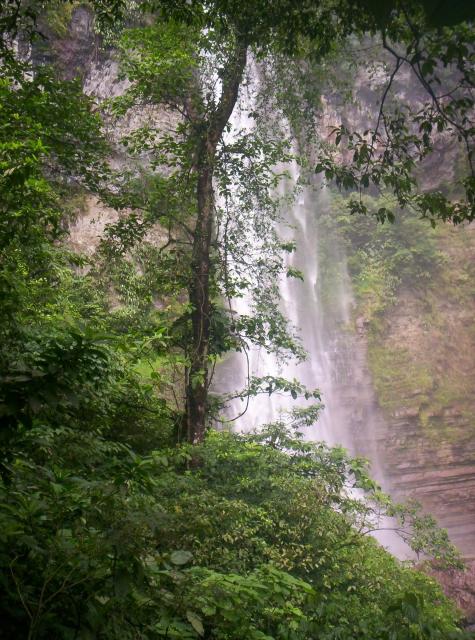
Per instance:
x=386, y=157
x=415, y=65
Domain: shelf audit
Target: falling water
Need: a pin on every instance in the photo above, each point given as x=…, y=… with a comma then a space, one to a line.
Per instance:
x=336, y=362
x=332, y=364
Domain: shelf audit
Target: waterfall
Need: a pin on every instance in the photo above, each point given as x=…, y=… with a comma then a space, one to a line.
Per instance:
x=300, y=304
x=336, y=361
x=326, y=334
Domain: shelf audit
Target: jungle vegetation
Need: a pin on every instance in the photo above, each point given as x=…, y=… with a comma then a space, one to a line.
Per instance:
x=123, y=514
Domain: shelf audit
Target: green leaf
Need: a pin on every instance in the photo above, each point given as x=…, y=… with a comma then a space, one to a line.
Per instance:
x=208, y=610
x=195, y=622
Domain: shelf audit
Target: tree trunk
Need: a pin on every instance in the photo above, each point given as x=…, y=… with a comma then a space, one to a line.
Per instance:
x=199, y=298
x=209, y=135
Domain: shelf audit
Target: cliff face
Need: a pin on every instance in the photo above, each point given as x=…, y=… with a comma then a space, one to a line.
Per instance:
x=404, y=369
x=69, y=42
x=407, y=369
x=76, y=50
x=422, y=362
x=412, y=335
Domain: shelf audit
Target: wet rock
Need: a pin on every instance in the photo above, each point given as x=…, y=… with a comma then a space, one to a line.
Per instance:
x=460, y=587
x=406, y=412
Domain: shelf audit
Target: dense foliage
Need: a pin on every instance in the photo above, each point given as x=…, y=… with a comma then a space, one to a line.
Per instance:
x=235, y=538
x=110, y=526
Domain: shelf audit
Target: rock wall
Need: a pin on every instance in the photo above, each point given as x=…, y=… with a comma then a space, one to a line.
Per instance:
x=76, y=50
x=411, y=373
x=405, y=366
x=423, y=366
